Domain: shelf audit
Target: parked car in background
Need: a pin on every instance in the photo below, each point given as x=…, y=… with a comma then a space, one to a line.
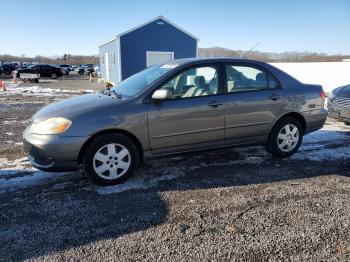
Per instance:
x=67, y=67
x=16, y=64
x=44, y=70
x=171, y=108
x=89, y=69
x=339, y=104
x=7, y=68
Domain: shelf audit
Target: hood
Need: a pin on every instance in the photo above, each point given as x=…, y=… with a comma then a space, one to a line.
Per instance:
x=73, y=107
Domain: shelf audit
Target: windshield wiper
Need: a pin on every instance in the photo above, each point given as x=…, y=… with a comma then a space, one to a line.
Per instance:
x=119, y=96
x=110, y=92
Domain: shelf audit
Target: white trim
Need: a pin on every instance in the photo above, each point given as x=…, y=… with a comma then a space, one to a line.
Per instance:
x=119, y=60
x=155, y=19
x=106, y=42
x=196, y=49
x=158, y=52
x=107, y=68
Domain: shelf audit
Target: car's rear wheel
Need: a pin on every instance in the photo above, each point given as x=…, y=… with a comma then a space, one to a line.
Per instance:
x=285, y=137
x=110, y=159
x=54, y=76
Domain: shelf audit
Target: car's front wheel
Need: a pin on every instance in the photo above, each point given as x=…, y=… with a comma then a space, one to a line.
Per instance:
x=54, y=76
x=285, y=137
x=110, y=159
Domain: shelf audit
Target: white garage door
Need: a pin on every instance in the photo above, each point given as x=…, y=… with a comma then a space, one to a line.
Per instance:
x=155, y=57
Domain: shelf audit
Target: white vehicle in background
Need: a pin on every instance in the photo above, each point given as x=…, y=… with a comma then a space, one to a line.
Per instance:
x=97, y=71
x=339, y=104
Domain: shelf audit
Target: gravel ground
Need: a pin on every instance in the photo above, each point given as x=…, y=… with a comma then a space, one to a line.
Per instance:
x=228, y=205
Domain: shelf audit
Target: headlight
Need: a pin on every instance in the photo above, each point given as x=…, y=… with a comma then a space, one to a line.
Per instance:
x=51, y=126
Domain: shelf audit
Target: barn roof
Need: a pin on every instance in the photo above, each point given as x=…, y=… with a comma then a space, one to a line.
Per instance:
x=149, y=22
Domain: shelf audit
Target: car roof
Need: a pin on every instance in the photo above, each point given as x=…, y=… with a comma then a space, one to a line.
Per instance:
x=183, y=61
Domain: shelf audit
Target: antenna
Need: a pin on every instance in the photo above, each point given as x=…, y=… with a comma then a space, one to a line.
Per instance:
x=251, y=49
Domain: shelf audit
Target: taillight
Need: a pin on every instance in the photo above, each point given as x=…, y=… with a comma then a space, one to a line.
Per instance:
x=323, y=95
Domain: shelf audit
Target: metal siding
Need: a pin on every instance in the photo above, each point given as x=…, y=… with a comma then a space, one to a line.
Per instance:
x=110, y=48
x=153, y=37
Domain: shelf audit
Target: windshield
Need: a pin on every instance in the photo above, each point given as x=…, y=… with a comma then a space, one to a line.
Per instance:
x=138, y=82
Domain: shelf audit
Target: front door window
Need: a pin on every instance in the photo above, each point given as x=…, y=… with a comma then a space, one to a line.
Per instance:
x=194, y=82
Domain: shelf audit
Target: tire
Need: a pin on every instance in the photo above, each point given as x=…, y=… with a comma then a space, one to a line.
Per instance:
x=54, y=76
x=281, y=133
x=110, y=159
x=81, y=72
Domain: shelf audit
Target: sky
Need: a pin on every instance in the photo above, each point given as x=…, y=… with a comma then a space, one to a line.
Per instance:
x=45, y=27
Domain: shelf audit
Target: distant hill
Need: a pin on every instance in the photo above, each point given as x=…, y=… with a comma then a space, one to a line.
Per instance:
x=271, y=57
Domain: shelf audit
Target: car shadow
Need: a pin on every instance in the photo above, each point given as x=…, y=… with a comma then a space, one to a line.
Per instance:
x=70, y=212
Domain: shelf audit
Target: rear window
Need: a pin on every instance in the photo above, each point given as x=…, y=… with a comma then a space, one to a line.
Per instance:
x=345, y=91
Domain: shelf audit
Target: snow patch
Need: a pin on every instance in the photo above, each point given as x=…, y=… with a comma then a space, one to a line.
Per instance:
x=140, y=183
x=324, y=154
x=40, y=91
x=30, y=179
x=19, y=174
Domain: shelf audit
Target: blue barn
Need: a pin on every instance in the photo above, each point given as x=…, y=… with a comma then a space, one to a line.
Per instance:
x=151, y=43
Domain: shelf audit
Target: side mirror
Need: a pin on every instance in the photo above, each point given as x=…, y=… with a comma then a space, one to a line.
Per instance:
x=162, y=94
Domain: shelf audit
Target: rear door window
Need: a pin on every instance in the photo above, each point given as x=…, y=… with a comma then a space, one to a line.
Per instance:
x=242, y=78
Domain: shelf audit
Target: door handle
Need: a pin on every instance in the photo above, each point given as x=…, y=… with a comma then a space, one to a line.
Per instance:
x=274, y=97
x=214, y=104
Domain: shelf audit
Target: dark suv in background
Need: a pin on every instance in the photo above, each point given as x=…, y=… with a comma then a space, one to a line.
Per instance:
x=44, y=70
x=6, y=68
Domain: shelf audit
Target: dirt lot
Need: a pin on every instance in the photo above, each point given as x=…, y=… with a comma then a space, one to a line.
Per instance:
x=228, y=205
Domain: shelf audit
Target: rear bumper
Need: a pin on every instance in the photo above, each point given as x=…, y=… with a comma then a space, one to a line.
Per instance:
x=53, y=153
x=315, y=119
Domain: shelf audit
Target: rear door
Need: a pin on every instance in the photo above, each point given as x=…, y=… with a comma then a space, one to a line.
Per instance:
x=254, y=98
x=44, y=71
x=194, y=117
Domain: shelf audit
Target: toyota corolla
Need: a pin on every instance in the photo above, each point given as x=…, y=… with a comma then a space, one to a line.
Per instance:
x=176, y=107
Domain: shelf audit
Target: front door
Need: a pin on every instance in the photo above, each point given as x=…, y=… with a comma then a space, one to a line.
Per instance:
x=194, y=117
x=253, y=100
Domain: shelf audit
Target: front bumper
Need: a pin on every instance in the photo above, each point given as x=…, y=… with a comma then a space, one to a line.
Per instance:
x=335, y=113
x=53, y=153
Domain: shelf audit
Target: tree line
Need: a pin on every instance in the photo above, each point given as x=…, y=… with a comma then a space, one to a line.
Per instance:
x=202, y=52
x=271, y=57
x=65, y=59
